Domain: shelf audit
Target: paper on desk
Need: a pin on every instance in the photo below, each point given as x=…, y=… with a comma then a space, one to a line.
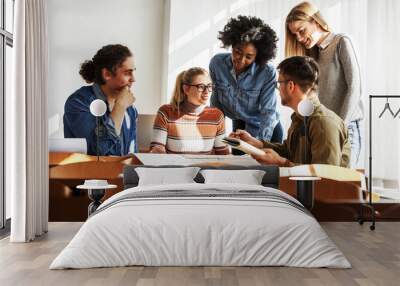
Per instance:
x=186, y=160
x=162, y=159
x=388, y=193
x=336, y=173
x=243, y=160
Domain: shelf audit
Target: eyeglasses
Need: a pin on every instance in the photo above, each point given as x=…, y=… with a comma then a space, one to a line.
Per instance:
x=279, y=82
x=202, y=87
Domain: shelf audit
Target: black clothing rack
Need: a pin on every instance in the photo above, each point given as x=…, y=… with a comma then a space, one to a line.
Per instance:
x=369, y=180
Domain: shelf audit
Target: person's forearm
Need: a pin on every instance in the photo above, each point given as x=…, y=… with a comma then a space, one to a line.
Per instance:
x=287, y=163
x=117, y=115
x=280, y=148
x=256, y=143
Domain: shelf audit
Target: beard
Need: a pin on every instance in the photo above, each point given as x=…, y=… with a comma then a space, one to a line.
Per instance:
x=284, y=99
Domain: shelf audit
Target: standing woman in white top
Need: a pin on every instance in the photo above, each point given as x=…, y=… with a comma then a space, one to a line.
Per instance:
x=307, y=33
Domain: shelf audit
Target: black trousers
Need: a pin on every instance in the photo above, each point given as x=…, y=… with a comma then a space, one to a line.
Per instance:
x=277, y=135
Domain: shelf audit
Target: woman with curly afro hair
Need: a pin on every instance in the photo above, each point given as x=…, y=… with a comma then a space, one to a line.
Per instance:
x=245, y=81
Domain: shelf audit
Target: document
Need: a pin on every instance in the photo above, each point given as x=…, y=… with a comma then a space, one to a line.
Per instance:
x=243, y=160
x=388, y=193
x=188, y=160
x=162, y=159
x=323, y=171
x=243, y=146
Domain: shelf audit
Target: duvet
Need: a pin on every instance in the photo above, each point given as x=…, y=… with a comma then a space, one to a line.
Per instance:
x=201, y=224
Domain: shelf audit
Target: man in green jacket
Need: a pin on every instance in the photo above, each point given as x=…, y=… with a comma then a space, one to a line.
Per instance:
x=327, y=133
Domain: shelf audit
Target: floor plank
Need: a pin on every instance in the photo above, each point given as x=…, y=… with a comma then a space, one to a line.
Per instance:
x=374, y=255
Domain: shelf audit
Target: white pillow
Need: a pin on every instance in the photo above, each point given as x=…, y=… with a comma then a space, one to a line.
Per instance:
x=166, y=176
x=249, y=177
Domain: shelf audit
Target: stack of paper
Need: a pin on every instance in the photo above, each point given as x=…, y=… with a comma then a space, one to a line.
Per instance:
x=187, y=160
x=393, y=194
x=244, y=160
x=161, y=159
x=323, y=171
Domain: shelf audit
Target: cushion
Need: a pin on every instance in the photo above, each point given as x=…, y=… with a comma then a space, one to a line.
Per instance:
x=248, y=177
x=163, y=176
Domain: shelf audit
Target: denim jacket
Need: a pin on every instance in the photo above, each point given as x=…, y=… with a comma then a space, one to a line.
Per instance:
x=80, y=123
x=250, y=97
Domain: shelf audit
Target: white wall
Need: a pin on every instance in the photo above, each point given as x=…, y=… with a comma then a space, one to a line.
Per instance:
x=78, y=28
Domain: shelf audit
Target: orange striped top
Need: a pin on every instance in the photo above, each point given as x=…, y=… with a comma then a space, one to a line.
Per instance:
x=190, y=132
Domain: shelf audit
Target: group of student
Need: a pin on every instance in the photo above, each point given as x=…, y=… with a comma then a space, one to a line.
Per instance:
x=320, y=66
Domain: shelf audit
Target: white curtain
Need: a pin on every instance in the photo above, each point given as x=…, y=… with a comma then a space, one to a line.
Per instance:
x=382, y=77
x=26, y=132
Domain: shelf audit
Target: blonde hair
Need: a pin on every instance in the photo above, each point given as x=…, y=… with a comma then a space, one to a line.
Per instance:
x=185, y=77
x=307, y=12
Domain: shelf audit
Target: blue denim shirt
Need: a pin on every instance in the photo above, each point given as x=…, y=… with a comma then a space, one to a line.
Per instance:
x=80, y=123
x=250, y=97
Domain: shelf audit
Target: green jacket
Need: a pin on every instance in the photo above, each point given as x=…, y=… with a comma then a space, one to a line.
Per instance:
x=328, y=138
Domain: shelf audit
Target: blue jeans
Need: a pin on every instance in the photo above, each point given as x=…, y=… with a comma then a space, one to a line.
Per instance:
x=355, y=142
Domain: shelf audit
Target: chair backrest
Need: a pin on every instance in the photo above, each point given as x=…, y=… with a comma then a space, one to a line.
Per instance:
x=144, y=131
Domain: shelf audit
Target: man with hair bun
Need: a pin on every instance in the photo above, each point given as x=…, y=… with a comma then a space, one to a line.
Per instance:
x=111, y=73
x=328, y=141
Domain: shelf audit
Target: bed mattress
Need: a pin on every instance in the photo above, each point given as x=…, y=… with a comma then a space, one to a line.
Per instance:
x=201, y=225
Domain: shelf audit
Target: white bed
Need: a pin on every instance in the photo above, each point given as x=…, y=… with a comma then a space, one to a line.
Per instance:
x=222, y=225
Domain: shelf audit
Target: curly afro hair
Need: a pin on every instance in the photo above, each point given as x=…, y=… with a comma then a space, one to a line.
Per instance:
x=243, y=30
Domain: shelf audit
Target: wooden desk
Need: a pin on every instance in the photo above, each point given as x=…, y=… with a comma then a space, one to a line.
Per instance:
x=68, y=170
x=65, y=158
x=334, y=201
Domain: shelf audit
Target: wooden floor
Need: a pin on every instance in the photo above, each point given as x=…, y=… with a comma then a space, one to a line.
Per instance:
x=374, y=255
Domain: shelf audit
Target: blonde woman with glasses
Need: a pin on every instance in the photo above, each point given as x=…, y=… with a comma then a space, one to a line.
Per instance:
x=187, y=125
x=307, y=33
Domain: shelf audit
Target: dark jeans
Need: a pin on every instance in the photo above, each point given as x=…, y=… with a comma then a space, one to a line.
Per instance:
x=277, y=135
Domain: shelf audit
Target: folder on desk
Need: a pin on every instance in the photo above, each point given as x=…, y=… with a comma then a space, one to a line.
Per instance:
x=331, y=172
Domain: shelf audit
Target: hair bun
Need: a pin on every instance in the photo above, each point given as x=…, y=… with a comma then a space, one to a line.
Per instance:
x=87, y=71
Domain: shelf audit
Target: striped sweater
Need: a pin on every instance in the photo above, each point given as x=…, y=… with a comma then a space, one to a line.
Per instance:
x=190, y=132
